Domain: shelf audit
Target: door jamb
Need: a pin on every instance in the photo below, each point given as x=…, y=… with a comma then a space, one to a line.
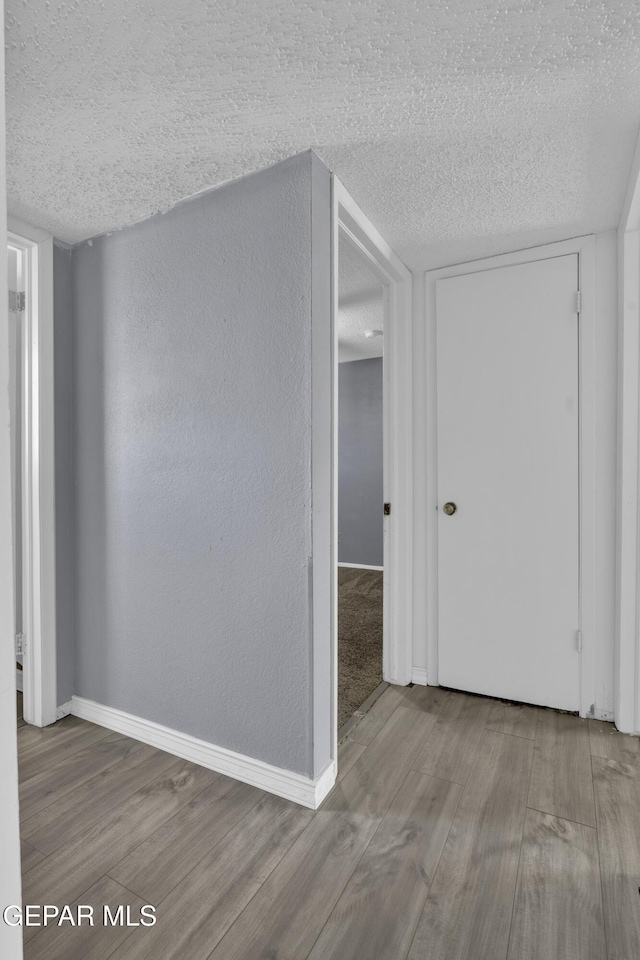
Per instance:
x=427, y=626
x=349, y=221
x=38, y=476
x=627, y=641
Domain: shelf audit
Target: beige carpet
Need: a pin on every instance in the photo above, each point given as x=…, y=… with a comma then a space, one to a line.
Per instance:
x=359, y=638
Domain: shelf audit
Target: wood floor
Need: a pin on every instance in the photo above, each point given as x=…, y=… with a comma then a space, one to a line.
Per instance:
x=460, y=829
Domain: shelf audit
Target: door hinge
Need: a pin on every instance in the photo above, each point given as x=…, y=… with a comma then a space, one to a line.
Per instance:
x=578, y=301
x=579, y=640
x=16, y=302
x=21, y=643
x=387, y=509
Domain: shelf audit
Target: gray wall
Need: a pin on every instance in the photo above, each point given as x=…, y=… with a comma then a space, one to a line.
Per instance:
x=360, y=462
x=193, y=465
x=64, y=467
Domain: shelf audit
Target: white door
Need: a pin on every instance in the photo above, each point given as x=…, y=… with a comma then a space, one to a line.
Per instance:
x=508, y=557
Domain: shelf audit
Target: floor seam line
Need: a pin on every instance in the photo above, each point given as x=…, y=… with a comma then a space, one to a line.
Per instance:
x=76, y=786
x=357, y=864
x=463, y=790
x=604, y=916
x=108, y=812
x=207, y=852
x=558, y=816
x=515, y=889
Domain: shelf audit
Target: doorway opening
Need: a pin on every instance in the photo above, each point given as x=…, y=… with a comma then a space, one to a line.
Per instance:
x=30, y=275
x=354, y=236
x=360, y=483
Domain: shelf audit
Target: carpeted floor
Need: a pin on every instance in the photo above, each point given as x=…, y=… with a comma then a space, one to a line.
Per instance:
x=359, y=638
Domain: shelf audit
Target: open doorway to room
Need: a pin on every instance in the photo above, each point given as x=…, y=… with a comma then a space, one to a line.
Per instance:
x=376, y=292
x=360, y=328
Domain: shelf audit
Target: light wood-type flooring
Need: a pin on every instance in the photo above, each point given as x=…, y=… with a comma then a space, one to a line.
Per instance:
x=461, y=828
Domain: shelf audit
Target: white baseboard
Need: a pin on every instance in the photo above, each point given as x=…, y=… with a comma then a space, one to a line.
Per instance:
x=19, y=680
x=63, y=710
x=283, y=783
x=360, y=566
x=419, y=676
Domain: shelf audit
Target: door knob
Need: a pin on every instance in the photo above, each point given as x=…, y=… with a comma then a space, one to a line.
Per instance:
x=449, y=509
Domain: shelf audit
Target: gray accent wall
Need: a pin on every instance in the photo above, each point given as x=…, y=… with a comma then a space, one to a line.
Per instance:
x=64, y=470
x=360, y=462
x=193, y=464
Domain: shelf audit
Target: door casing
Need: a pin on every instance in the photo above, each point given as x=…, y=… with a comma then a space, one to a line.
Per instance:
x=349, y=222
x=426, y=621
x=38, y=477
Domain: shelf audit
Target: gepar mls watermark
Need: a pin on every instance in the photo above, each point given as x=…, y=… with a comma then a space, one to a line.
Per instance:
x=78, y=915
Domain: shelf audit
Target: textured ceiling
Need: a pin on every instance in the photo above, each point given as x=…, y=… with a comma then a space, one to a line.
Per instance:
x=360, y=306
x=462, y=128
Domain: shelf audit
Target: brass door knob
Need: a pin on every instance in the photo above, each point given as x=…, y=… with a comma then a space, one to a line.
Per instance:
x=449, y=509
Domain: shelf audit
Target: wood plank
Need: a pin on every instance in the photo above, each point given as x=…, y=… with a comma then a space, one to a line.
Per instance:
x=30, y=736
x=606, y=741
x=49, y=753
x=162, y=861
x=84, y=942
x=373, y=721
x=292, y=906
x=29, y=855
x=377, y=914
x=558, y=905
x=617, y=790
x=198, y=913
x=561, y=781
x=53, y=783
x=81, y=862
x=453, y=743
x=516, y=719
x=85, y=806
x=349, y=753
x=468, y=910
x=424, y=698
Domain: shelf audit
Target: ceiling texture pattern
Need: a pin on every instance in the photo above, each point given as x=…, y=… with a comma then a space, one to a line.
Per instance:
x=462, y=128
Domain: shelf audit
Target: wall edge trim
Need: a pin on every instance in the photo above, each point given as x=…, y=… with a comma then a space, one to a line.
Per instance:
x=419, y=676
x=283, y=783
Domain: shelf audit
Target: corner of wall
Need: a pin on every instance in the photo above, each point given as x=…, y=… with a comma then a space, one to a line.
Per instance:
x=321, y=458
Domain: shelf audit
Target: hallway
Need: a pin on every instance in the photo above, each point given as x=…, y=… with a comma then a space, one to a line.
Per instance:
x=461, y=828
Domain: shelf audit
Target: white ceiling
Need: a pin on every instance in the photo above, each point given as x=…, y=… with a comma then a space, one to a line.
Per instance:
x=462, y=128
x=360, y=306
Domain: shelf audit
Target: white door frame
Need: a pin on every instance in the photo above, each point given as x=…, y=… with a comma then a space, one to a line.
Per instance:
x=38, y=480
x=627, y=642
x=349, y=222
x=584, y=247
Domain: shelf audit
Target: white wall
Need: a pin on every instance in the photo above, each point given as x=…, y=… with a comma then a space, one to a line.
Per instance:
x=424, y=372
x=10, y=884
